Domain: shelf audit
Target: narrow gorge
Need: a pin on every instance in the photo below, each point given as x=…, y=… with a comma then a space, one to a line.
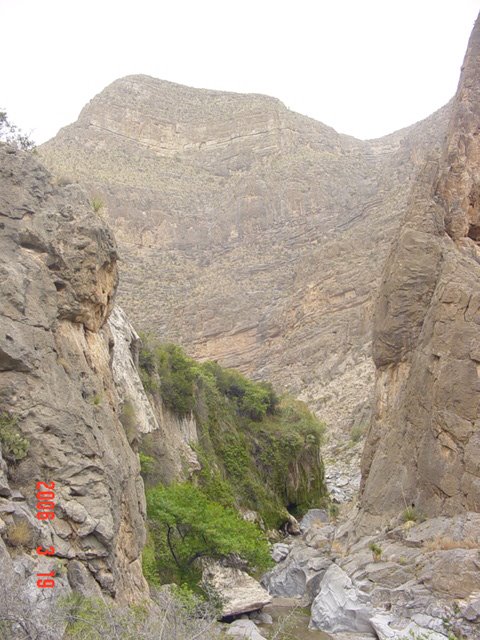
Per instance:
x=240, y=352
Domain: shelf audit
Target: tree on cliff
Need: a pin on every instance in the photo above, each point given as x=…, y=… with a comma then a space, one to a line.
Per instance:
x=11, y=134
x=186, y=525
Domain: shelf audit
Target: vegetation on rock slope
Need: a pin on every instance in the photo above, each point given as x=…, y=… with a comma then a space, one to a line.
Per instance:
x=257, y=452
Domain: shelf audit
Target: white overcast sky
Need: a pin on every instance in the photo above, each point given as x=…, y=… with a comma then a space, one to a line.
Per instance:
x=365, y=67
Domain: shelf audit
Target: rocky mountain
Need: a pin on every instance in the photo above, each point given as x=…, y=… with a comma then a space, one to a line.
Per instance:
x=271, y=243
x=250, y=234
x=76, y=424
x=423, y=445
x=60, y=402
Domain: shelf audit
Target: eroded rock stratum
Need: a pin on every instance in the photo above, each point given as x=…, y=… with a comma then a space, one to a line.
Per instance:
x=58, y=266
x=423, y=446
x=250, y=234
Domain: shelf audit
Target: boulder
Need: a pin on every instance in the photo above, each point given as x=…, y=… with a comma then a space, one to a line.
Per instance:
x=244, y=629
x=292, y=527
x=339, y=605
x=313, y=518
x=238, y=592
x=280, y=551
x=261, y=617
x=299, y=574
x=472, y=611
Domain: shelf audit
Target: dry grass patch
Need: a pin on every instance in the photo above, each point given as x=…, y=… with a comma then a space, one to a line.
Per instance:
x=338, y=548
x=19, y=534
x=444, y=543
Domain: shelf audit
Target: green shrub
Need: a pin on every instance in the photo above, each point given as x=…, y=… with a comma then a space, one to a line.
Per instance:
x=256, y=451
x=410, y=515
x=186, y=525
x=14, y=445
x=96, y=399
x=147, y=463
x=149, y=565
x=175, y=371
x=376, y=551
x=11, y=134
x=333, y=511
x=97, y=204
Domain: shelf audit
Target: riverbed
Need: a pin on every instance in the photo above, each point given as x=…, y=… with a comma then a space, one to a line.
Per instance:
x=294, y=622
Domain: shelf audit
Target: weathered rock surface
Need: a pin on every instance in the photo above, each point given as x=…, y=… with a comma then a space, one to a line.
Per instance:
x=238, y=592
x=299, y=572
x=58, y=266
x=339, y=605
x=385, y=631
x=262, y=231
x=244, y=629
x=423, y=445
x=126, y=345
x=313, y=518
x=427, y=579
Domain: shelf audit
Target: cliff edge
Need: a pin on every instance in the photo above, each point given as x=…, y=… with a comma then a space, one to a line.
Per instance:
x=422, y=450
x=59, y=403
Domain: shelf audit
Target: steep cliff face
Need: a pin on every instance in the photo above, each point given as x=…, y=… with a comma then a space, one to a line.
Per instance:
x=58, y=265
x=423, y=445
x=263, y=232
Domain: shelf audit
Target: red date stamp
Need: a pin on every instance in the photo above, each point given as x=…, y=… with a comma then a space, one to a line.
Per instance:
x=45, y=511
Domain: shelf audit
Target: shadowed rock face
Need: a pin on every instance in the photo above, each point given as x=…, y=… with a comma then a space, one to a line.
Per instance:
x=250, y=234
x=58, y=266
x=423, y=446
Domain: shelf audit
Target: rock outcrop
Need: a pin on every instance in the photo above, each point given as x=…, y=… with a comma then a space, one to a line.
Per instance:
x=423, y=578
x=237, y=591
x=422, y=450
x=58, y=265
x=262, y=231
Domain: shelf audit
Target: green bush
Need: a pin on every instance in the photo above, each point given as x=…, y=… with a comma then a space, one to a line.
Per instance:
x=14, y=445
x=410, y=514
x=147, y=463
x=376, y=551
x=175, y=371
x=11, y=134
x=97, y=204
x=257, y=451
x=186, y=525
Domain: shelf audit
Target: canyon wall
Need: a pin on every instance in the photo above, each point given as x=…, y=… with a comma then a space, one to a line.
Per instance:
x=423, y=445
x=59, y=400
x=262, y=232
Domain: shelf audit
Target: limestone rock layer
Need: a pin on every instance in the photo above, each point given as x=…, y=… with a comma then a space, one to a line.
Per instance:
x=249, y=234
x=58, y=266
x=423, y=446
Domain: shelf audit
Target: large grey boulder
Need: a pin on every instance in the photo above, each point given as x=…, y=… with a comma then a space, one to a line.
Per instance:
x=472, y=611
x=339, y=605
x=238, y=592
x=299, y=574
x=313, y=518
x=244, y=629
